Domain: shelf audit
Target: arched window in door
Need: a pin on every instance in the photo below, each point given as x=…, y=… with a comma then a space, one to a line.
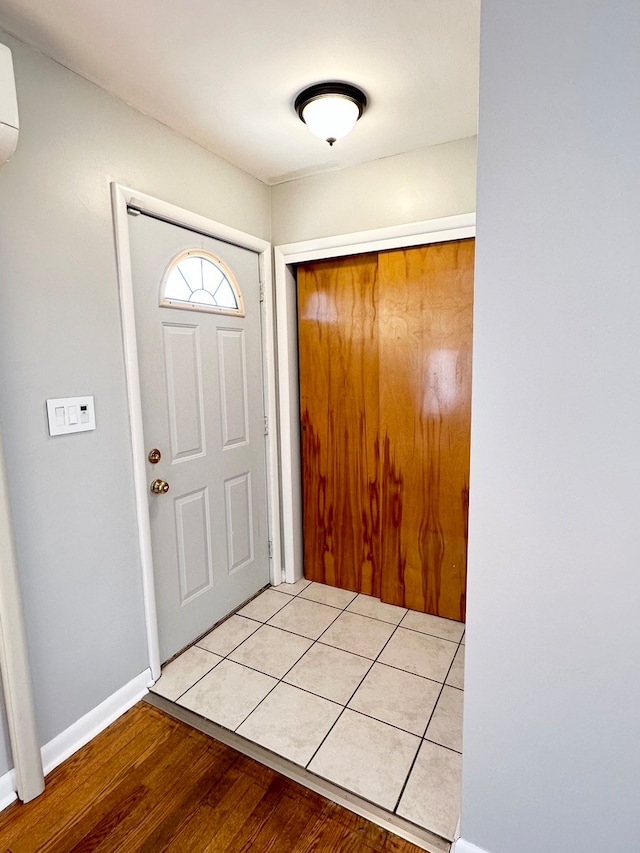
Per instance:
x=198, y=280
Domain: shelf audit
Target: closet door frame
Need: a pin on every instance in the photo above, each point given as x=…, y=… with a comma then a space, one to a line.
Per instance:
x=286, y=257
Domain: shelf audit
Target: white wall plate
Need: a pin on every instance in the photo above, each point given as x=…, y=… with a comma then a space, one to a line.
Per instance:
x=70, y=414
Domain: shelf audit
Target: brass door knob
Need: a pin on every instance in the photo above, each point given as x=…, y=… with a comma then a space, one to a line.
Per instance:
x=159, y=487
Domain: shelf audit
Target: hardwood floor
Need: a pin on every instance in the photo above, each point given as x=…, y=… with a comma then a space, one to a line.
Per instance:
x=151, y=783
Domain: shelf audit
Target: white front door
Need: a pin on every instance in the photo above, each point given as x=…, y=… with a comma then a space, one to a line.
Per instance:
x=201, y=378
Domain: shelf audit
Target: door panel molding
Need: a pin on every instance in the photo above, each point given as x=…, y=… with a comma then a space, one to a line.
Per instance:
x=195, y=561
x=232, y=360
x=121, y=198
x=239, y=521
x=181, y=344
x=286, y=256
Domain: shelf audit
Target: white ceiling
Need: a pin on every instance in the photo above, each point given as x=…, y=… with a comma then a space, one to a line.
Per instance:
x=225, y=73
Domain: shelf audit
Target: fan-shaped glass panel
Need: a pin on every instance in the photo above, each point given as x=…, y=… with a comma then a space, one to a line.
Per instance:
x=198, y=280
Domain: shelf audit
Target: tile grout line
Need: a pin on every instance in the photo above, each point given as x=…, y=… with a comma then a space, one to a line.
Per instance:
x=372, y=662
x=424, y=736
x=324, y=630
x=314, y=642
x=406, y=779
x=345, y=609
x=376, y=660
x=344, y=708
x=399, y=624
x=224, y=657
x=280, y=680
x=442, y=746
x=415, y=757
x=444, y=684
x=318, y=640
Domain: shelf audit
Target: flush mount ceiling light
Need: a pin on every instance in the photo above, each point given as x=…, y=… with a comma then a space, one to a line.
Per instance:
x=331, y=110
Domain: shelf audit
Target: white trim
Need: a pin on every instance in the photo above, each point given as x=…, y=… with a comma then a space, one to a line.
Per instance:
x=462, y=846
x=14, y=660
x=393, y=237
x=87, y=727
x=122, y=197
x=123, y=260
x=8, y=785
x=265, y=267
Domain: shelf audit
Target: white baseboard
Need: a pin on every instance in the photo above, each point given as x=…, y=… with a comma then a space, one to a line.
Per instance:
x=462, y=846
x=8, y=789
x=81, y=732
x=87, y=727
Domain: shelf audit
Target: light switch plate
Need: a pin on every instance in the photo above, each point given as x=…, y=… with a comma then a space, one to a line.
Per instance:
x=71, y=414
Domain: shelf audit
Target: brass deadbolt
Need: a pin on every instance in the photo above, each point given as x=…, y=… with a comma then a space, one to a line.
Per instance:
x=159, y=487
x=155, y=456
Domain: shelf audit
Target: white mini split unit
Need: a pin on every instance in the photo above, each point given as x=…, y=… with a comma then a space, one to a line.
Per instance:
x=8, y=106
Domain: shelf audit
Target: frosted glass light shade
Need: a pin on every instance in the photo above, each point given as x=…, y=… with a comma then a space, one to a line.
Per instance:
x=331, y=117
x=330, y=110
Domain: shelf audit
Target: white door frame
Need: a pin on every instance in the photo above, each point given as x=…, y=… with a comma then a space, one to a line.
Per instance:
x=121, y=197
x=286, y=257
x=27, y=776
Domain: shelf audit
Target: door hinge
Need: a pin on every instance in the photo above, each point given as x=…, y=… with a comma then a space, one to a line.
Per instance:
x=266, y=425
x=270, y=549
x=262, y=291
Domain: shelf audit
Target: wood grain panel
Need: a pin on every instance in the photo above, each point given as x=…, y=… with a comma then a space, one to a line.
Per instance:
x=338, y=346
x=149, y=783
x=425, y=298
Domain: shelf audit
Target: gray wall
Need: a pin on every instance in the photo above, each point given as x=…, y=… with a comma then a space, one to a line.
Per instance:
x=426, y=184
x=552, y=721
x=72, y=496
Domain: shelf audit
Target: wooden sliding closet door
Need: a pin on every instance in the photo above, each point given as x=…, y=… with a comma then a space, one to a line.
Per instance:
x=385, y=384
x=425, y=326
x=338, y=351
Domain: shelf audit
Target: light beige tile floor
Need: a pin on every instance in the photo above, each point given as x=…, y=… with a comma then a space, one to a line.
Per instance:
x=271, y=650
x=360, y=635
x=291, y=722
x=368, y=757
x=183, y=673
x=364, y=694
x=329, y=672
x=396, y=697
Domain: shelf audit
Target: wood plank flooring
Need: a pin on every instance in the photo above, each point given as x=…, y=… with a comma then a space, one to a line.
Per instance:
x=151, y=783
